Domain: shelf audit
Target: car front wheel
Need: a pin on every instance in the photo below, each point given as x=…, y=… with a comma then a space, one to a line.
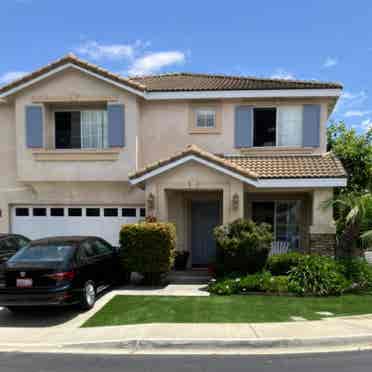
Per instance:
x=88, y=297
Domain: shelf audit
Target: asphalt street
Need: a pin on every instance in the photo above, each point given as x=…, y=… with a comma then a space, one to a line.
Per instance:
x=348, y=362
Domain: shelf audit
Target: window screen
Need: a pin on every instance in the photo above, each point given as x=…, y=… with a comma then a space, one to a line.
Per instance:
x=290, y=126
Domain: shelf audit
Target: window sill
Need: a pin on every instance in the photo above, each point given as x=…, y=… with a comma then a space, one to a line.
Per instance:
x=76, y=155
x=204, y=131
x=278, y=149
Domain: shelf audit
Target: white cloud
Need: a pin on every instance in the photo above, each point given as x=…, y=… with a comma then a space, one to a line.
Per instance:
x=7, y=77
x=366, y=124
x=97, y=51
x=359, y=113
x=282, y=74
x=354, y=96
x=154, y=62
x=330, y=62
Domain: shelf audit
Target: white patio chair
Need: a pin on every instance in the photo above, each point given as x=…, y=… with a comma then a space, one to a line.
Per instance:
x=279, y=247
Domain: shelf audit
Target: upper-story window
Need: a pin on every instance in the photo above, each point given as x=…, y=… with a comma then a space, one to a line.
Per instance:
x=281, y=126
x=205, y=118
x=81, y=129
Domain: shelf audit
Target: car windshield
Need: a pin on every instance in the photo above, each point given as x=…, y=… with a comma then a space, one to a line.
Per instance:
x=44, y=253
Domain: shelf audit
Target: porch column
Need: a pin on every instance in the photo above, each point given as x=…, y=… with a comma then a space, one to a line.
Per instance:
x=162, y=205
x=233, y=201
x=322, y=231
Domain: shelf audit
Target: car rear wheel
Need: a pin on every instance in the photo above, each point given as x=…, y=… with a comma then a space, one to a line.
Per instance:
x=88, y=298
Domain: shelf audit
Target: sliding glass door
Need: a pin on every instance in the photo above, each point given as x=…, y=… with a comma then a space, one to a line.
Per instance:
x=283, y=216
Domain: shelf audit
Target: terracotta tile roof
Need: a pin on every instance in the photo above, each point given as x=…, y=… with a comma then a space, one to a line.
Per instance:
x=200, y=82
x=195, y=150
x=291, y=166
x=177, y=81
x=262, y=167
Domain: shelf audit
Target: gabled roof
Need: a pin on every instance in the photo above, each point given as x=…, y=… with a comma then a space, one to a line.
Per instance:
x=178, y=82
x=193, y=150
x=67, y=60
x=259, y=171
x=201, y=82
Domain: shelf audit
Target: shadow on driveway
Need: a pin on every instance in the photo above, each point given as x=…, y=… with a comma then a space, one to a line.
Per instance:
x=41, y=317
x=37, y=317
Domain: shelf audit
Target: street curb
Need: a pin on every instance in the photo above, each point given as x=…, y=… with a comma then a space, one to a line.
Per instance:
x=231, y=344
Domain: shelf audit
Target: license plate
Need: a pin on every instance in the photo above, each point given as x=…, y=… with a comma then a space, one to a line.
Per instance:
x=24, y=283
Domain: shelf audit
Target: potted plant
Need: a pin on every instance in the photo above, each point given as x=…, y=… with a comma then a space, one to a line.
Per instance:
x=181, y=259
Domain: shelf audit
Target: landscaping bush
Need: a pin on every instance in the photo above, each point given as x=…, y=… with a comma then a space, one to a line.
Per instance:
x=242, y=246
x=259, y=282
x=358, y=271
x=318, y=276
x=148, y=248
x=276, y=284
x=280, y=264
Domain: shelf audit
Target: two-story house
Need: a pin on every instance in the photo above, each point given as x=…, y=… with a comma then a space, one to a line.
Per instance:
x=84, y=151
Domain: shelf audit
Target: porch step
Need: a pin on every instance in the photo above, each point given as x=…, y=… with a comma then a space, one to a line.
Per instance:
x=189, y=277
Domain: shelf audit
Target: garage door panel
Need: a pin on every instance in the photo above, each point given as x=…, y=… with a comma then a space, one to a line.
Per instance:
x=94, y=220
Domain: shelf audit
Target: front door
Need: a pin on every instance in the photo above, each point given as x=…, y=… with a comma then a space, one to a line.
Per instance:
x=205, y=216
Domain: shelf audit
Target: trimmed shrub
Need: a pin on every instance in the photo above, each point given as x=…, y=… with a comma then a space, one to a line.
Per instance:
x=317, y=276
x=280, y=264
x=148, y=248
x=276, y=284
x=358, y=271
x=242, y=246
x=259, y=282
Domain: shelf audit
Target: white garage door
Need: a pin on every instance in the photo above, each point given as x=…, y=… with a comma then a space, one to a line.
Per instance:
x=38, y=222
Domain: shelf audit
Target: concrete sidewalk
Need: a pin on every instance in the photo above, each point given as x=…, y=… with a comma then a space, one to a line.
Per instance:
x=60, y=330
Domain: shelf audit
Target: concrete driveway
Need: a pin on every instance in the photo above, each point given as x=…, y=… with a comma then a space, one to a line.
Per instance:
x=39, y=325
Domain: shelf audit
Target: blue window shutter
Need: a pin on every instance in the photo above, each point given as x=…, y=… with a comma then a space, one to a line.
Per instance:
x=116, y=125
x=34, y=126
x=311, y=126
x=243, y=126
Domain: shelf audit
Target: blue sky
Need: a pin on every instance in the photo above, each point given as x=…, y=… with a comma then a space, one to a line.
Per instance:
x=325, y=40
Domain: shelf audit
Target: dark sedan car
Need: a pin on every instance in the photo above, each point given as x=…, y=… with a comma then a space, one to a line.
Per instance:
x=59, y=271
x=9, y=245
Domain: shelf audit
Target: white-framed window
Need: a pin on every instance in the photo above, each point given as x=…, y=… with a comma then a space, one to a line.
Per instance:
x=86, y=129
x=205, y=118
x=278, y=126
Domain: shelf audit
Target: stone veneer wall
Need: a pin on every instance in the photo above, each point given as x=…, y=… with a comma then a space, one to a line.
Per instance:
x=323, y=244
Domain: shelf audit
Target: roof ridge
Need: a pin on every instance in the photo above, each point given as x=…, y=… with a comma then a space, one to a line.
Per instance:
x=243, y=77
x=69, y=58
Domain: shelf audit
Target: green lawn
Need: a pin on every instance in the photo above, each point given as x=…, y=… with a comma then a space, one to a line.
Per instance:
x=223, y=309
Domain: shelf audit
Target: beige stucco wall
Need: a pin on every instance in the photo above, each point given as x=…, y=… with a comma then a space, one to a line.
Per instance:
x=74, y=83
x=165, y=127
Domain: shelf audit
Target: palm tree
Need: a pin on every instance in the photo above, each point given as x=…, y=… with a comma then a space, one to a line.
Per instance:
x=354, y=222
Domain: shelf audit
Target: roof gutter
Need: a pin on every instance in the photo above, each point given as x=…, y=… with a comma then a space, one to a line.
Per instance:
x=212, y=94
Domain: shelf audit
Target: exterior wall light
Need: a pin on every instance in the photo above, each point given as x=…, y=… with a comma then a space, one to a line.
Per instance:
x=151, y=201
x=235, y=201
